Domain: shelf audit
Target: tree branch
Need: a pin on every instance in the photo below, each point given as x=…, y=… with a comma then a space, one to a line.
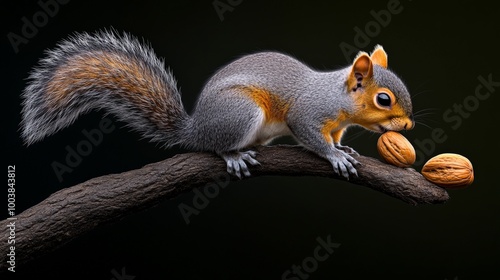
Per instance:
x=74, y=211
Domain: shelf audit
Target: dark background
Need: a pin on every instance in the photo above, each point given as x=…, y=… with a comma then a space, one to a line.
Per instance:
x=258, y=228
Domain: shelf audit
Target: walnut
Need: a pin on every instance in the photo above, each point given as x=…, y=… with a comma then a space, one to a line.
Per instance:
x=449, y=171
x=395, y=149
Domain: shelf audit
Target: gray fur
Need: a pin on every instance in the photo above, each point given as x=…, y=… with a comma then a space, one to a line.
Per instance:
x=308, y=91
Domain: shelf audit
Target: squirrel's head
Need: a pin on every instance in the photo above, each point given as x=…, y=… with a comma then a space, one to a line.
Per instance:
x=382, y=101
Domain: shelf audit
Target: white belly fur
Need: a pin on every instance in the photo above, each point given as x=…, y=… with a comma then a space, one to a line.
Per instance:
x=263, y=132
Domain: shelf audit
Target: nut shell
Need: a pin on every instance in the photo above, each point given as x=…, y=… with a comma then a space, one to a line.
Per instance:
x=449, y=171
x=395, y=149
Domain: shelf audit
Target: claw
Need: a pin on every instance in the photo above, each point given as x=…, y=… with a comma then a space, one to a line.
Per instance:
x=250, y=153
x=347, y=149
x=250, y=158
x=236, y=162
x=355, y=173
x=237, y=169
x=343, y=164
x=229, y=168
x=343, y=170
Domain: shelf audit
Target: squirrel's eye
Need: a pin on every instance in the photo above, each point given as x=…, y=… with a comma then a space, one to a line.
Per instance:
x=383, y=99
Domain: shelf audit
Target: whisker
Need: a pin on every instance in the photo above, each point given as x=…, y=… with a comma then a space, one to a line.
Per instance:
x=424, y=124
x=426, y=110
x=420, y=93
x=353, y=136
x=420, y=86
x=423, y=115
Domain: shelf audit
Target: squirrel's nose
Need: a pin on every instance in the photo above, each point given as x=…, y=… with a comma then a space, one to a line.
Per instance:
x=410, y=124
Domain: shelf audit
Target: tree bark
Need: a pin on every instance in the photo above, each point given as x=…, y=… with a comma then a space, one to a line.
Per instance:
x=73, y=211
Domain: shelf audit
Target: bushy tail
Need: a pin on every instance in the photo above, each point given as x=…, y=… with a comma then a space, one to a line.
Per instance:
x=102, y=71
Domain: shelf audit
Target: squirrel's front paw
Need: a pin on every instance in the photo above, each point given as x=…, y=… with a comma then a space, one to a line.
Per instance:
x=235, y=162
x=347, y=149
x=343, y=164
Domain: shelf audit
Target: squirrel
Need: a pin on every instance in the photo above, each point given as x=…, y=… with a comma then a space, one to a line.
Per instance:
x=249, y=102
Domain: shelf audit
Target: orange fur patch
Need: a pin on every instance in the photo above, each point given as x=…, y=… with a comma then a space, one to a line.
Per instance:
x=101, y=70
x=379, y=57
x=368, y=114
x=337, y=135
x=274, y=106
x=331, y=128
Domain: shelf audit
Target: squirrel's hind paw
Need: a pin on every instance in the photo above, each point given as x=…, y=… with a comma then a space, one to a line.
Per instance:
x=237, y=162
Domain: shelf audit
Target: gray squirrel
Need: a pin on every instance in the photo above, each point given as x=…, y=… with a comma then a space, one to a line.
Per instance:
x=249, y=102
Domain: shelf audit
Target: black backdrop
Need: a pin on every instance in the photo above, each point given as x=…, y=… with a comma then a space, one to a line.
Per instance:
x=259, y=228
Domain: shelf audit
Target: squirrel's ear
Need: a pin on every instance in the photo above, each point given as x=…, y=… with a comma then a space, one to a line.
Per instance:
x=362, y=65
x=379, y=56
